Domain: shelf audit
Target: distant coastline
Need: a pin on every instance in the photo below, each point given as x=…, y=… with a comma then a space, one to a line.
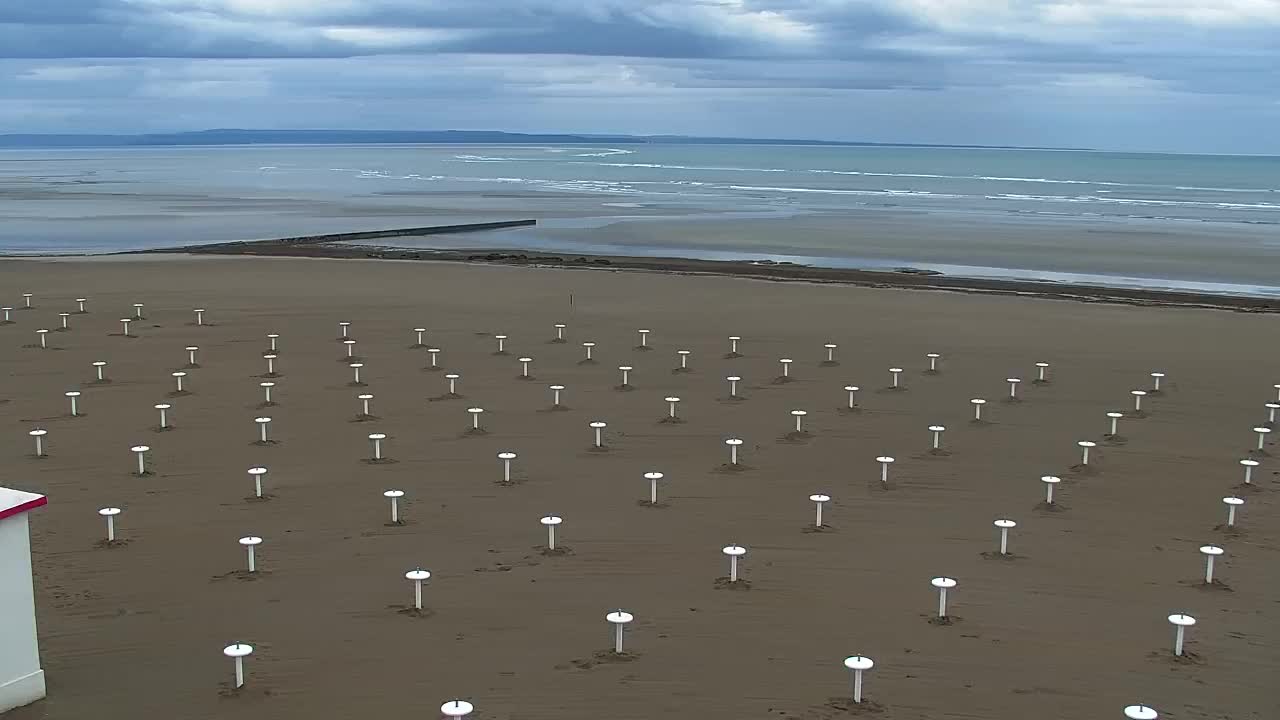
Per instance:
x=216, y=137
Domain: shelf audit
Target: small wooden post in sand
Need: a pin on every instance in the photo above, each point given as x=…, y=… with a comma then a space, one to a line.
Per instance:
x=263, y=424
x=250, y=542
x=238, y=651
x=394, y=496
x=164, y=415
x=734, y=444
x=1137, y=400
x=550, y=522
x=619, y=619
x=506, y=458
x=858, y=664
x=364, y=413
x=672, y=402
x=853, y=395
x=1181, y=622
x=39, y=434
x=1085, y=447
x=819, y=500
x=1049, y=481
x=1041, y=369
x=937, y=431
x=896, y=372
x=734, y=551
x=1115, y=423
x=257, y=473
x=110, y=514
x=418, y=576
x=653, y=478
x=1210, y=552
x=141, y=451
x=1262, y=431
x=1232, y=503
x=943, y=584
x=457, y=708
x=1249, y=465
x=977, y=409
x=733, y=346
x=885, y=461
x=376, y=439
x=1005, y=525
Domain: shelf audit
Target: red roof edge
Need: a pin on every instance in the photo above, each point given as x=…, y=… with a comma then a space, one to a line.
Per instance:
x=28, y=505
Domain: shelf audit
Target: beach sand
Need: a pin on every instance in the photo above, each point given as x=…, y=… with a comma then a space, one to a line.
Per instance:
x=1073, y=627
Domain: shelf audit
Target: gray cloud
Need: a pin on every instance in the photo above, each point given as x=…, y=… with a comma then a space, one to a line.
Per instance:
x=1090, y=72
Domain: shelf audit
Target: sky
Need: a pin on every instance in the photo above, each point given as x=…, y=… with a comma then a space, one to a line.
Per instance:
x=1140, y=75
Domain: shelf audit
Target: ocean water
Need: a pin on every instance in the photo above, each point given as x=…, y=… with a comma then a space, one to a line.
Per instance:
x=1171, y=220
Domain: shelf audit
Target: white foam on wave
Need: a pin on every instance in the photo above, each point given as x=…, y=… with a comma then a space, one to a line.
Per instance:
x=834, y=191
x=483, y=158
x=1217, y=189
x=604, y=153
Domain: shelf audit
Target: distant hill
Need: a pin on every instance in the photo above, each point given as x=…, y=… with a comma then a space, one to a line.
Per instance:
x=407, y=137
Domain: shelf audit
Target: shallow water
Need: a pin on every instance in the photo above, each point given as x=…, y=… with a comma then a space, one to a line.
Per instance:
x=1167, y=220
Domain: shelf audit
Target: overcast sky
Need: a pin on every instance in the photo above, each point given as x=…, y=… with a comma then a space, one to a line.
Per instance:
x=1178, y=75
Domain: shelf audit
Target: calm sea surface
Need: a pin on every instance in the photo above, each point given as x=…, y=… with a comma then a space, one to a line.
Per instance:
x=101, y=200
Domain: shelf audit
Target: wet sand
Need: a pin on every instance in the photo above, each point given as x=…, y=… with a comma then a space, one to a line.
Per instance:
x=1073, y=627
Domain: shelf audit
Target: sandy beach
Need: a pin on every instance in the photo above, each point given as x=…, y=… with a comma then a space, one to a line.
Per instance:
x=1072, y=626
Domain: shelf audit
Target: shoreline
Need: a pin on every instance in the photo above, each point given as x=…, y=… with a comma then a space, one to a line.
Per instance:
x=903, y=278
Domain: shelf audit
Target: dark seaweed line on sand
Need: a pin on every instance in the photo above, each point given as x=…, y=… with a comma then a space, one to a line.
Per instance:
x=905, y=278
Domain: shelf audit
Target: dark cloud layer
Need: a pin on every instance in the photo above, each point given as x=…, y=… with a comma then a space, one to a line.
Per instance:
x=1148, y=74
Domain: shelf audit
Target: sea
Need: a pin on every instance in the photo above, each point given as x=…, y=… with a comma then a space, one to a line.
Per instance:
x=1201, y=222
